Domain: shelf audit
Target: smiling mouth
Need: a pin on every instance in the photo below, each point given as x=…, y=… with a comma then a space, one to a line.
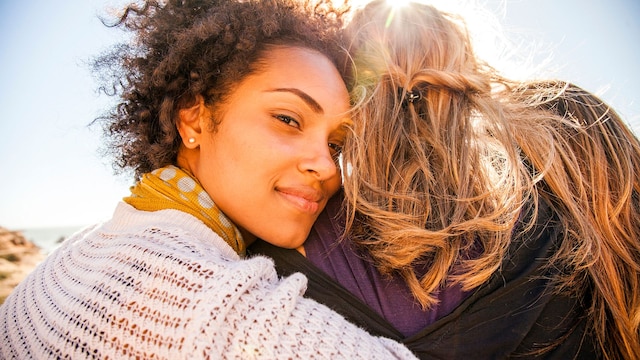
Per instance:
x=305, y=201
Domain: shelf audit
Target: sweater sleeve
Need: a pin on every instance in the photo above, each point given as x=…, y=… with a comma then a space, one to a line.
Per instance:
x=267, y=318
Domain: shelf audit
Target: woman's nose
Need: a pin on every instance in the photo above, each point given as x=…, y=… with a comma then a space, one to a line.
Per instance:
x=319, y=161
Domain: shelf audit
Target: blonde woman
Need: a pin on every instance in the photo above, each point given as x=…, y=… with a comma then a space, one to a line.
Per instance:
x=482, y=220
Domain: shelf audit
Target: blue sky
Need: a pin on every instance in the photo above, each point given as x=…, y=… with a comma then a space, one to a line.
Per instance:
x=51, y=173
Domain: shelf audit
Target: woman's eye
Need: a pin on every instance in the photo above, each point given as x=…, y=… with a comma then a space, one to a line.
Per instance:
x=288, y=120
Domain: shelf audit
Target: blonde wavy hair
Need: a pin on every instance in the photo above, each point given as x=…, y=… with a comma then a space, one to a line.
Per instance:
x=594, y=183
x=446, y=153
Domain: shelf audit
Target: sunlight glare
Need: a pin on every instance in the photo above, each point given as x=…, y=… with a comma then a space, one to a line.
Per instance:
x=398, y=3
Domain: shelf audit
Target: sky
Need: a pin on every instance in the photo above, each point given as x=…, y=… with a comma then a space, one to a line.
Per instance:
x=51, y=170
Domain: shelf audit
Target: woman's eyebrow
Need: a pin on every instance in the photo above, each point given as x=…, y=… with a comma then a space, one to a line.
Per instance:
x=304, y=96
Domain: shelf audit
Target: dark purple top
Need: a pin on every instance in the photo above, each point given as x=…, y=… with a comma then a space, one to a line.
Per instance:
x=388, y=296
x=510, y=316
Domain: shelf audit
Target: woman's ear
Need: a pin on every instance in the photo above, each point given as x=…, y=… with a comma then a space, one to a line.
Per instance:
x=190, y=123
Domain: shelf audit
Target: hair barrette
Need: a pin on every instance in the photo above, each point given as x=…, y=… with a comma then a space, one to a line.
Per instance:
x=413, y=95
x=410, y=96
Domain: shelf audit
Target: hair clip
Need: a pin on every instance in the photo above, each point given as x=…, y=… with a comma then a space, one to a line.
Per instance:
x=410, y=96
x=413, y=95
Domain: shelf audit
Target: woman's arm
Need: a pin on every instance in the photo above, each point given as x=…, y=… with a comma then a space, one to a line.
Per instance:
x=255, y=315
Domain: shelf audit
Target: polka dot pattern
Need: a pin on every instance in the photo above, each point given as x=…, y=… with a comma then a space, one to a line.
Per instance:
x=173, y=188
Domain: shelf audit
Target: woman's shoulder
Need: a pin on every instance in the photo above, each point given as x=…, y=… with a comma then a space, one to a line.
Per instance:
x=163, y=231
x=168, y=247
x=535, y=239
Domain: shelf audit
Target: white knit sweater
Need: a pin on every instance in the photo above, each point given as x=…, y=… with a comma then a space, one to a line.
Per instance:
x=162, y=285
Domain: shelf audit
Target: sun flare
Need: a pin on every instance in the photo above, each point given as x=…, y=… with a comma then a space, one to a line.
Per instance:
x=398, y=3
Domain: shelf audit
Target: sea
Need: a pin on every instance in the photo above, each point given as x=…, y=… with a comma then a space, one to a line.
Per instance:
x=49, y=238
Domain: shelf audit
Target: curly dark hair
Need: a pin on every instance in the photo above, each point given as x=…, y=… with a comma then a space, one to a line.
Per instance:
x=182, y=48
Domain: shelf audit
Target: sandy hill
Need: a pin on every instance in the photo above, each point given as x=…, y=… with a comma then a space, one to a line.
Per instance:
x=18, y=256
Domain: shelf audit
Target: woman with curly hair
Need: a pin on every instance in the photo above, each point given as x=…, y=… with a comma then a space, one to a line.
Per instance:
x=231, y=116
x=482, y=218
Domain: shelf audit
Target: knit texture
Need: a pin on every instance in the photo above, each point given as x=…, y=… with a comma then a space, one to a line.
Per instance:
x=162, y=285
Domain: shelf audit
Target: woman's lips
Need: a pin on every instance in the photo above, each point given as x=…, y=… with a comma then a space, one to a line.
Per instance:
x=306, y=199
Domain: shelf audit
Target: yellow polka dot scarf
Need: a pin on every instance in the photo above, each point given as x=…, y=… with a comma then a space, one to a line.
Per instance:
x=173, y=188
